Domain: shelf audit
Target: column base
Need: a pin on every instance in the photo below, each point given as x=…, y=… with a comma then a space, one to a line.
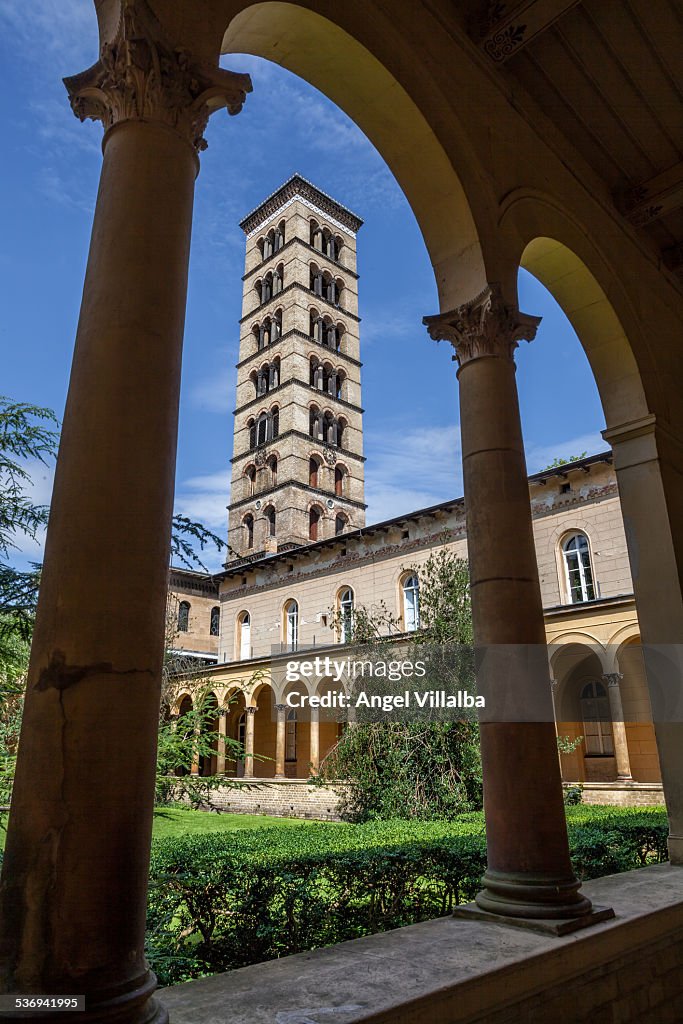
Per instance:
x=136, y=1005
x=536, y=897
x=675, y=844
x=560, y=926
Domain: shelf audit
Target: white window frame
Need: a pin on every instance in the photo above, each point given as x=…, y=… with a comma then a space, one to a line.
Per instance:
x=586, y=575
x=346, y=614
x=410, y=589
x=292, y=625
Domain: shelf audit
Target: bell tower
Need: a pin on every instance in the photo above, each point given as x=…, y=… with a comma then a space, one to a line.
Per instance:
x=297, y=466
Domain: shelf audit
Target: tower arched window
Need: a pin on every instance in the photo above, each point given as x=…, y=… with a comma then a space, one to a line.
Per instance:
x=411, y=603
x=346, y=616
x=262, y=428
x=313, y=472
x=270, y=520
x=251, y=427
x=274, y=421
x=276, y=326
x=244, y=636
x=278, y=280
x=274, y=374
x=316, y=423
x=250, y=478
x=578, y=569
x=215, y=626
x=291, y=625
x=314, y=524
x=183, y=616
x=340, y=524
x=267, y=246
x=597, y=721
x=272, y=466
x=339, y=476
x=248, y=525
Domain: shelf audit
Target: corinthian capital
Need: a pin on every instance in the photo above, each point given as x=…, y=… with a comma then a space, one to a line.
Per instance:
x=485, y=326
x=142, y=76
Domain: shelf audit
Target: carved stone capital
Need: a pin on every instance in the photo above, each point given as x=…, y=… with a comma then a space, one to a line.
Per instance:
x=485, y=326
x=280, y=708
x=613, y=678
x=142, y=76
x=250, y=709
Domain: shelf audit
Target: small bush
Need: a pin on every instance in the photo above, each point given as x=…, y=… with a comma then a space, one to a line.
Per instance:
x=220, y=901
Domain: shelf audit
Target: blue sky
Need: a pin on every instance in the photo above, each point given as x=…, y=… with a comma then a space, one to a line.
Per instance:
x=50, y=175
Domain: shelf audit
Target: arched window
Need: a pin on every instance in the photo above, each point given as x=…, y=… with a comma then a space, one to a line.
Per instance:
x=313, y=523
x=597, y=723
x=244, y=635
x=215, y=627
x=276, y=326
x=316, y=423
x=248, y=523
x=262, y=428
x=274, y=421
x=340, y=524
x=345, y=602
x=411, y=603
x=250, y=478
x=339, y=475
x=292, y=625
x=578, y=569
x=313, y=475
x=270, y=520
x=183, y=616
x=272, y=466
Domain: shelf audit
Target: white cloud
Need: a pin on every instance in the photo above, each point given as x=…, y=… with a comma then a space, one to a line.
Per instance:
x=215, y=393
x=67, y=27
x=411, y=470
x=204, y=498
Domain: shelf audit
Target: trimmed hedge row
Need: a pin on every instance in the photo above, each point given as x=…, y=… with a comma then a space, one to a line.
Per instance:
x=225, y=900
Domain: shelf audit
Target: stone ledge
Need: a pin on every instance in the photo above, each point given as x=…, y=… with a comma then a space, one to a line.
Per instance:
x=452, y=971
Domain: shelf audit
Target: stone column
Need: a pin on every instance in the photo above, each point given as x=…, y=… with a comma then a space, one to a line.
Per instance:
x=222, y=733
x=618, y=726
x=648, y=459
x=314, y=747
x=529, y=874
x=250, y=713
x=281, y=710
x=74, y=880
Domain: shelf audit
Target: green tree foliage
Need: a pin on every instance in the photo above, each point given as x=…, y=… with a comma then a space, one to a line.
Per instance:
x=556, y=463
x=28, y=434
x=414, y=768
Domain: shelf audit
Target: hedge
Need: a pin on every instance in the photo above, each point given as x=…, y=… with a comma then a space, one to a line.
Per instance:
x=221, y=901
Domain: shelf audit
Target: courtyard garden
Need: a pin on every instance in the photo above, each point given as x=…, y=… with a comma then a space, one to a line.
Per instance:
x=225, y=894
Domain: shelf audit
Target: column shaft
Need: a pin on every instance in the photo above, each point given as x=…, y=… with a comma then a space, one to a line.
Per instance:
x=314, y=749
x=280, y=741
x=529, y=872
x=616, y=707
x=249, y=742
x=75, y=870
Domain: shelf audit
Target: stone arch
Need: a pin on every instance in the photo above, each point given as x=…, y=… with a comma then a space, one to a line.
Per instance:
x=563, y=255
x=321, y=51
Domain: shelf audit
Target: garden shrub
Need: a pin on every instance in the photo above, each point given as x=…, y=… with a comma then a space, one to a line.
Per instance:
x=225, y=900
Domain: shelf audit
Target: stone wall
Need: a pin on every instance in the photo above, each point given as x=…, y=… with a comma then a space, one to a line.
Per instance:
x=284, y=798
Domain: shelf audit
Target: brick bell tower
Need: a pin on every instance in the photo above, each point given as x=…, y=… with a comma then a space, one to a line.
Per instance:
x=297, y=467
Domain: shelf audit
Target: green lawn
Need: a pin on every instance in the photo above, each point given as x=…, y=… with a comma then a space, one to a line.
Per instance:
x=181, y=821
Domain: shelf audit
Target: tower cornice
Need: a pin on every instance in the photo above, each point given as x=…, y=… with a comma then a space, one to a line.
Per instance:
x=319, y=202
